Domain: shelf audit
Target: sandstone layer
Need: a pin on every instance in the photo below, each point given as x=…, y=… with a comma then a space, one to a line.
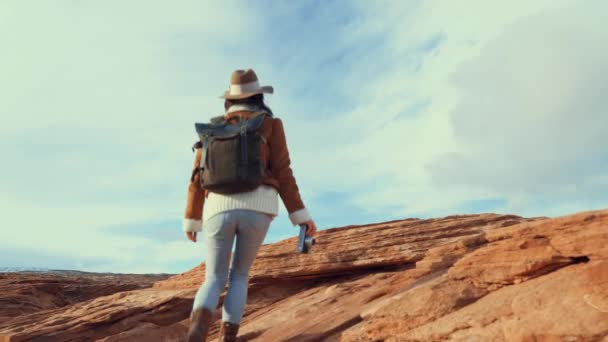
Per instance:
x=24, y=293
x=460, y=278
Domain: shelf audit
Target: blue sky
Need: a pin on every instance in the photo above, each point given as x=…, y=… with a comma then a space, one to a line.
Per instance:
x=392, y=109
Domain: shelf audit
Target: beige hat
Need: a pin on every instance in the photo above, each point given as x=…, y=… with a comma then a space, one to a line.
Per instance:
x=244, y=83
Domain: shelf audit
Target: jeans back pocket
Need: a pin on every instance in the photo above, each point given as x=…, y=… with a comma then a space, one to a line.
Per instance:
x=213, y=226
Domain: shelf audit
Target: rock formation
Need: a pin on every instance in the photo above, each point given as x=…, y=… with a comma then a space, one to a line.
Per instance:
x=28, y=292
x=470, y=277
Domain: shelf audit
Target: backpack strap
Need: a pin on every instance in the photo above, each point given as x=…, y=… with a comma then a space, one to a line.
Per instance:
x=201, y=165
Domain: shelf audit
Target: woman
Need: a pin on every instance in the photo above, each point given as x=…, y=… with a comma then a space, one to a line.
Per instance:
x=244, y=217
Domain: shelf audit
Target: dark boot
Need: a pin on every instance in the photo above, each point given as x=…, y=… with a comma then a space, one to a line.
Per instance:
x=200, y=321
x=228, y=332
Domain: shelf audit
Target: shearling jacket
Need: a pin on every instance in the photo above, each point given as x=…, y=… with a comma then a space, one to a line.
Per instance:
x=278, y=174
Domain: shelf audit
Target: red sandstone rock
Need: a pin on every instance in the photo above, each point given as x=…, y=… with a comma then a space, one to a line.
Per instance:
x=470, y=277
x=29, y=292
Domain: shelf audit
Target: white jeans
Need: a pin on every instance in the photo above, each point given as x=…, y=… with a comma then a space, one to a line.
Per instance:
x=249, y=228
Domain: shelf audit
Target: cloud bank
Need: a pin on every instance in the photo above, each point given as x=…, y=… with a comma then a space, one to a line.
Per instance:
x=409, y=109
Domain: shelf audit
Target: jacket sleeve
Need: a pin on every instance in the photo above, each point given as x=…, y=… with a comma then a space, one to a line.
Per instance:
x=193, y=221
x=280, y=165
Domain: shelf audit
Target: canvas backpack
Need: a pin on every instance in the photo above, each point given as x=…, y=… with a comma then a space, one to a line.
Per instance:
x=230, y=158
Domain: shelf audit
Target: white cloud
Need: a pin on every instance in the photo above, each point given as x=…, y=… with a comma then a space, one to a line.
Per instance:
x=98, y=119
x=542, y=60
x=410, y=109
x=531, y=118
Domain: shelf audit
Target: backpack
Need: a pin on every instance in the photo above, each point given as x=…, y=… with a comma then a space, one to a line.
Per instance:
x=230, y=158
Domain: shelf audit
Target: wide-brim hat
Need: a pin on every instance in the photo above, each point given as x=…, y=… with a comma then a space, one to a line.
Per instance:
x=243, y=84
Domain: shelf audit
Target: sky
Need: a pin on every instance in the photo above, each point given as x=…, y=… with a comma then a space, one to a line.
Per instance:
x=392, y=110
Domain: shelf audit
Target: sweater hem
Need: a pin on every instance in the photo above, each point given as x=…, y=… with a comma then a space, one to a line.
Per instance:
x=263, y=199
x=299, y=216
x=192, y=225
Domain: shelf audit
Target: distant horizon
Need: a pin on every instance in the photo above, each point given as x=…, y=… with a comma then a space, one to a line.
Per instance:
x=26, y=269
x=33, y=269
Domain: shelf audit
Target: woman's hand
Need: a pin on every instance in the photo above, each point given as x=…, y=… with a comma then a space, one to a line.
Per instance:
x=312, y=227
x=191, y=236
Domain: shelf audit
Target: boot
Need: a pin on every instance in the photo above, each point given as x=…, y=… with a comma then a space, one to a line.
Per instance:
x=228, y=332
x=200, y=320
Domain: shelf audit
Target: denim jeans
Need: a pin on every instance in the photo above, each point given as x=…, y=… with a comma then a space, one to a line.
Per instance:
x=249, y=228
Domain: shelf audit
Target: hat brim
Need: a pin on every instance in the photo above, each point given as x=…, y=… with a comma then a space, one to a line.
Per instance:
x=262, y=90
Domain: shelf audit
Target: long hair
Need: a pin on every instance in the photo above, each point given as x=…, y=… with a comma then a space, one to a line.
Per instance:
x=255, y=100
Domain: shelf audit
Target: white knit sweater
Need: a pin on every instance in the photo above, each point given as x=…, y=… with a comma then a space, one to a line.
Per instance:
x=264, y=199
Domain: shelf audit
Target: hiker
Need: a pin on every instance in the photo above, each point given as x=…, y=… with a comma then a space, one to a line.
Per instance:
x=244, y=216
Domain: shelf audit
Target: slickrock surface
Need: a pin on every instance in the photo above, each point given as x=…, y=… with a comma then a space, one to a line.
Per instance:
x=28, y=292
x=460, y=278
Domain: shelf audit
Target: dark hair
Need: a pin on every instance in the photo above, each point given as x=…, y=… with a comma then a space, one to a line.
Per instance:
x=255, y=100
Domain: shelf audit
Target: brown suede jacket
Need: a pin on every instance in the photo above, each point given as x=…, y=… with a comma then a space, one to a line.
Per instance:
x=278, y=171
